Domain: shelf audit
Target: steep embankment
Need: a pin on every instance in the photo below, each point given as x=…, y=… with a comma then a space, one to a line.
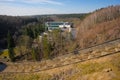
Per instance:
x=100, y=26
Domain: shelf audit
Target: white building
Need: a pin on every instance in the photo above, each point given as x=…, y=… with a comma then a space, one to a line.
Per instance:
x=65, y=26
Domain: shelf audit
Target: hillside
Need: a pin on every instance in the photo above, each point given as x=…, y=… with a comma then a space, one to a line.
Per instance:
x=100, y=26
x=96, y=63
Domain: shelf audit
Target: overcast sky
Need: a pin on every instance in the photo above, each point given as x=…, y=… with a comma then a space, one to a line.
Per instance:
x=38, y=7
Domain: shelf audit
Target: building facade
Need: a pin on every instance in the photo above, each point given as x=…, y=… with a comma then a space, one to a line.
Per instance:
x=65, y=26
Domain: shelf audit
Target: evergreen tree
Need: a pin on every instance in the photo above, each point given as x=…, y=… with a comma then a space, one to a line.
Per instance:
x=10, y=46
x=34, y=54
x=46, y=47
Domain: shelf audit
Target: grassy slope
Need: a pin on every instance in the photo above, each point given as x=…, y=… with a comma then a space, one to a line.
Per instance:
x=106, y=68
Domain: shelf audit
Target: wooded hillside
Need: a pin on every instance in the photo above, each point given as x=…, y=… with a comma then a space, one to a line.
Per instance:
x=100, y=26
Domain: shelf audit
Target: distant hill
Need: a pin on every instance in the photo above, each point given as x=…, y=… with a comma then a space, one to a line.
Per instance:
x=75, y=15
x=74, y=18
x=100, y=26
x=80, y=15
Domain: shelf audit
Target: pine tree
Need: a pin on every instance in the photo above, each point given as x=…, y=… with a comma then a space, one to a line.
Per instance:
x=10, y=46
x=46, y=47
x=34, y=54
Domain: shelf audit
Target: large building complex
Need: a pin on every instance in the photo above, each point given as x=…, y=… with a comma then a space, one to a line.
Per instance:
x=65, y=26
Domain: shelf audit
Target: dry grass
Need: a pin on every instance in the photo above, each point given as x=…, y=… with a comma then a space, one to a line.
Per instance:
x=106, y=68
